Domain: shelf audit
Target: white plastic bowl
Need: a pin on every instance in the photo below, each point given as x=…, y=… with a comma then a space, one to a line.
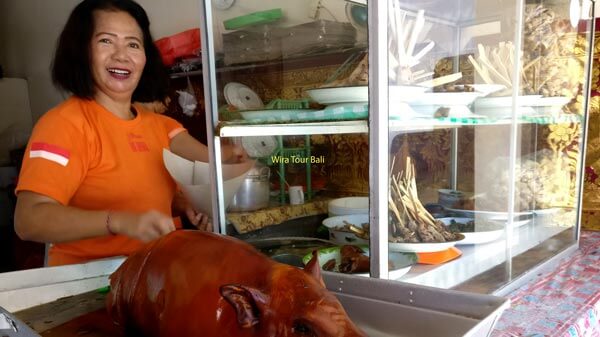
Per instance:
x=349, y=205
x=343, y=237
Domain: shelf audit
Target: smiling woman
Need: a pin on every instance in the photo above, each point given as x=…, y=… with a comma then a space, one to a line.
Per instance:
x=92, y=182
x=117, y=57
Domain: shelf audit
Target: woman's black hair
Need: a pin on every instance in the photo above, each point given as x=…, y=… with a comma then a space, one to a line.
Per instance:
x=71, y=69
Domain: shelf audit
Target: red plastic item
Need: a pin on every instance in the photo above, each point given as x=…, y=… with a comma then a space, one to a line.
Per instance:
x=182, y=44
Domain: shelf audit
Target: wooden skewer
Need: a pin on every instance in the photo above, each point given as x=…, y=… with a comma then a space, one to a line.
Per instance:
x=415, y=59
x=480, y=71
x=530, y=64
x=485, y=62
x=418, y=26
x=500, y=66
x=440, y=80
x=420, y=76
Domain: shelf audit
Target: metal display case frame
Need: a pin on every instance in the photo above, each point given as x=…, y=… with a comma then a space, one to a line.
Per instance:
x=378, y=127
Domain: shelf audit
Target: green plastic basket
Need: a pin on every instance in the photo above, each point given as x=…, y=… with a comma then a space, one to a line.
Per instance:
x=279, y=104
x=252, y=19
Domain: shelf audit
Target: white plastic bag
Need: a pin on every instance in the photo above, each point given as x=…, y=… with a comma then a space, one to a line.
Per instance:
x=187, y=100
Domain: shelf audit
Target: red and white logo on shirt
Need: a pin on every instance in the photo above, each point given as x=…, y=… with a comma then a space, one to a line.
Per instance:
x=137, y=143
x=50, y=152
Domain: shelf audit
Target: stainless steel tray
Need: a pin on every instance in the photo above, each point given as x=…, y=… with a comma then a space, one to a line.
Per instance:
x=391, y=308
x=380, y=307
x=10, y=326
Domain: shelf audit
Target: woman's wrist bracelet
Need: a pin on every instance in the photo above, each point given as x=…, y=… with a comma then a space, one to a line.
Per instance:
x=108, y=218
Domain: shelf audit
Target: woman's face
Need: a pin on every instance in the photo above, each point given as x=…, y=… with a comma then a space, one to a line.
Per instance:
x=117, y=54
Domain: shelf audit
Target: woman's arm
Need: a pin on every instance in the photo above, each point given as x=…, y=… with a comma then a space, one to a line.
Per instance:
x=186, y=146
x=43, y=219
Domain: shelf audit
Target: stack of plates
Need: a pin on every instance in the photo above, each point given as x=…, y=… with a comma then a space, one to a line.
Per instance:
x=241, y=96
x=501, y=107
x=349, y=205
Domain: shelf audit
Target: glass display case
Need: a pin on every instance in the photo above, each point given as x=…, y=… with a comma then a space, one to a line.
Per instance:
x=462, y=123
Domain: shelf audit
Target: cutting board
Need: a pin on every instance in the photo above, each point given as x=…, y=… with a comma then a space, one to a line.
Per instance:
x=72, y=316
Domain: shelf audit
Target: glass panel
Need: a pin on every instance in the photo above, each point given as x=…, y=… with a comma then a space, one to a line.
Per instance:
x=291, y=62
x=485, y=131
x=484, y=138
x=291, y=87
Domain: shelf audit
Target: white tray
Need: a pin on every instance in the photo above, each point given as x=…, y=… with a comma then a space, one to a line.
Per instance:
x=340, y=94
x=271, y=115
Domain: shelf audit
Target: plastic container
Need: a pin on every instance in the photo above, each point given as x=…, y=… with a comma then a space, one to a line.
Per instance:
x=252, y=44
x=349, y=205
x=186, y=43
x=313, y=36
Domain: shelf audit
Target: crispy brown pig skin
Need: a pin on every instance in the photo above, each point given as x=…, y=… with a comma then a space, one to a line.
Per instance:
x=192, y=283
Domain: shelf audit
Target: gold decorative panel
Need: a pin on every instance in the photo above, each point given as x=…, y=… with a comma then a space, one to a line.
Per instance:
x=591, y=192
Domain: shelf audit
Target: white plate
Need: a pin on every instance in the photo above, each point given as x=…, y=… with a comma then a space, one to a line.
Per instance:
x=552, y=101
x=241, y=96
x=423, y=247
x=521, y=218
x=485, y=231
x=348, y=205
x=487, y=89
x=506, y=112
x=400, y=262
x=401, y=111
x=285, y=115
x=259, y=146
x=504, y=101
x=340, y=94
x=547, y=214
x=550, y=105
x=445, y=98
x=455, y=111
x=404, y=93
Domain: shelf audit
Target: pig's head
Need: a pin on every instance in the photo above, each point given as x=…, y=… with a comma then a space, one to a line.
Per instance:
x=297, y=304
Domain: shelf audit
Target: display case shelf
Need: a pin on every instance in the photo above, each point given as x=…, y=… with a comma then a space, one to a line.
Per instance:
x=230, y=129
x=476, y=259
x=239, y=129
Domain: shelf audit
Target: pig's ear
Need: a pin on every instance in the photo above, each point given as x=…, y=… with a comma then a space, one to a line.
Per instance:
x=314, y=268
x=247, y=302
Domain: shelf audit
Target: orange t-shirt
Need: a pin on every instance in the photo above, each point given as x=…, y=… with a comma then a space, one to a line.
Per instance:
x=82, y=155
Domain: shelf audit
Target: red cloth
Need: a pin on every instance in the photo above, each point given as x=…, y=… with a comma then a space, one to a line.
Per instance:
x=561, y=303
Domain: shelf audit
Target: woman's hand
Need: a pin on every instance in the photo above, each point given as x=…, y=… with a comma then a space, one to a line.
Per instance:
x=181, y=205
x=143, y=226
x=199, y=220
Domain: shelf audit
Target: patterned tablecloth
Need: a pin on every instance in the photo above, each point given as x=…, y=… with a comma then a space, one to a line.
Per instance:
x=562, y=303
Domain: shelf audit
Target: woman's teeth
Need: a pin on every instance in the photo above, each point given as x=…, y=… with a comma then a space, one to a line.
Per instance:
x=119, y=71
